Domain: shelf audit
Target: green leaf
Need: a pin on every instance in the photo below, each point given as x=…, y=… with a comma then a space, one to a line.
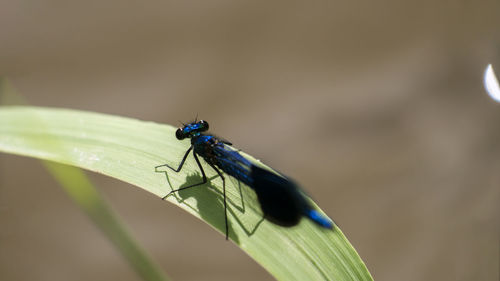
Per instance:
x=85, y=195
x=129, y=149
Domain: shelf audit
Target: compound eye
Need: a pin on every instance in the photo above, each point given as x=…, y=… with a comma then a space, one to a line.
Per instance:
x=204, y=125
x=179, y=134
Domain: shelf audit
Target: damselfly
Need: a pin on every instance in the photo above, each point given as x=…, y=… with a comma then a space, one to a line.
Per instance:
x=281, y=200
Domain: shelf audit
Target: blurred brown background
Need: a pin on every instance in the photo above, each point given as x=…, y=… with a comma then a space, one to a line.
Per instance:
x=375, y=107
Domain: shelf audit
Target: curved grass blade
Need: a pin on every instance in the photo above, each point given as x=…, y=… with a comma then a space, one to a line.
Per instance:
x=85, y=195
x=129, y=149
x=80, y=189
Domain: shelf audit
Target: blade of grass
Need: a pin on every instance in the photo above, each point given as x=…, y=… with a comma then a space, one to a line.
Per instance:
x=129, y=149
x=81, y=190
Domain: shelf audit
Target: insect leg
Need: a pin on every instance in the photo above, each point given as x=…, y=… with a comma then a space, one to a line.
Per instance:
x=180, y=165
x=224, y=196
x=192, y=185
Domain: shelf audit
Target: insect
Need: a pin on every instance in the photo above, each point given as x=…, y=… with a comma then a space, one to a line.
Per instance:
x=280, y=199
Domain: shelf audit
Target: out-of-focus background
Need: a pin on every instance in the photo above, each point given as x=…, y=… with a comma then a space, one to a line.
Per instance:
x=376, y=107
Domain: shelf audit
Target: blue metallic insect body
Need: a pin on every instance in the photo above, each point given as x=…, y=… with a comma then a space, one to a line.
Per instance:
x=281, y=200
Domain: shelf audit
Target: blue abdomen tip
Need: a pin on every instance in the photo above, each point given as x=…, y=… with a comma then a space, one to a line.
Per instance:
x=319, y=219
